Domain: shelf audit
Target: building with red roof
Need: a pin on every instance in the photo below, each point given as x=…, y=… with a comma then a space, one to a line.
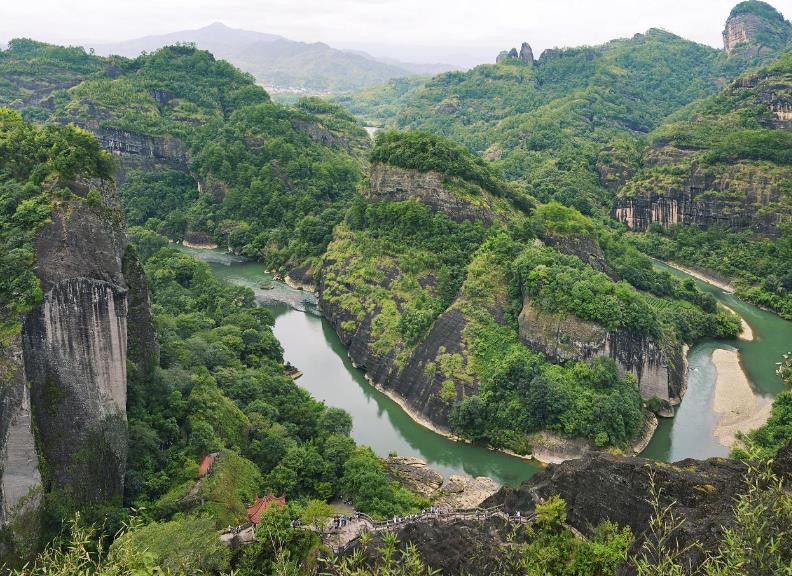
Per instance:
x=255, y=511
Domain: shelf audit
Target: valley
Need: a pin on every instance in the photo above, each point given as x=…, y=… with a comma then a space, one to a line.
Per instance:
x=528, y=318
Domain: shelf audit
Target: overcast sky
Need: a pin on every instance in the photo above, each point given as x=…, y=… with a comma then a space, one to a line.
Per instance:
x=458, y=31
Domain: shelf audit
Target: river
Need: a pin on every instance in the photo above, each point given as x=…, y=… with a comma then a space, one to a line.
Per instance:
x=689, y=433
x=310, y=343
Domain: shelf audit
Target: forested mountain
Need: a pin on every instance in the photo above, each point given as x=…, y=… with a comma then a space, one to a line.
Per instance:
x=484, y=262
x=545, y=122
x=281, y=65
x=714, y=186
x=204, y=153
x=455, y=290
x=103, y=412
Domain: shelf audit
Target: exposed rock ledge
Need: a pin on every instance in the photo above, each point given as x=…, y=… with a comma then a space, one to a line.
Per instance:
x=563, y=337
x=459, y=492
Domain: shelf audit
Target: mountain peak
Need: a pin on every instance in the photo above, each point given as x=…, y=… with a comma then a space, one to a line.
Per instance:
x=756, y=26
x=216, y=26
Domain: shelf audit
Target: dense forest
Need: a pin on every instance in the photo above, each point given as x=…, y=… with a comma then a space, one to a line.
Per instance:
x=272, y=181
x=487, y=257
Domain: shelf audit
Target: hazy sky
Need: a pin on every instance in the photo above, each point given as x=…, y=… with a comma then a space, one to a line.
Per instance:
x=457, y=31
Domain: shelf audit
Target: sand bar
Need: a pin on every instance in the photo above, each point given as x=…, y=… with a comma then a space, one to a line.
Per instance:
x=725, y=286
x=740, y=409
x=746, y=333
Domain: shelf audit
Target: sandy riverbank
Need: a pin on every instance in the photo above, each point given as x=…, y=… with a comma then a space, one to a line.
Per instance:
x=740, y=409
x=725, y=286
x=199, y=246
x=746, y=333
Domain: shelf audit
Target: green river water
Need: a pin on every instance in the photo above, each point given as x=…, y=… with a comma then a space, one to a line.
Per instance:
x=310, y=343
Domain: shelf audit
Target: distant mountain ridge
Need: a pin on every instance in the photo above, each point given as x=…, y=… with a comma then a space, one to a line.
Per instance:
x=280, y=64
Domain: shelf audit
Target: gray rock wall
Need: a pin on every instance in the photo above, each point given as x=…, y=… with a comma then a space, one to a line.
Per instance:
x=75, y=361
x=389, y=183
x=19, y=474
x=564, y=337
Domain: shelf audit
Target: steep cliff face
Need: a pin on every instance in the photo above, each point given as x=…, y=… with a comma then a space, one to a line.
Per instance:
x=756, y=27
x=725, y=163
x=739, y=197
x=20, y=480
x=414, y=377
x=391, y=183
x=63, y=410
x=563, y=338
x=602, y=487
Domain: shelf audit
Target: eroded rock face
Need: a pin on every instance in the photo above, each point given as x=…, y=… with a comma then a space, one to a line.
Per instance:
x=562, y=337
x=20, y=479
x=389, y=183
x=413, y=473
x=64, y=381
x=75, y=363
x=166, y=149
x=737, y=198
x=755, y=31
x=602, y=486
x=464, y=492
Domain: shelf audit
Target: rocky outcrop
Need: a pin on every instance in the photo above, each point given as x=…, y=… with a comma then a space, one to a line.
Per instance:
x=738, y=197
x=414, y=474
x=525, y=54
x=464, y=492
x=161, y=148
x=390, y=183
x=602, y=487
x=20, y=480
x=755, y=26
x=63, y=385
x=563, y=337
x=414, y=380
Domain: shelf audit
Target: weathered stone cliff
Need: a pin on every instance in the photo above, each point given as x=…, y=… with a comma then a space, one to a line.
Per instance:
x=741, y=196
x=563, y=337
x=63, y=384
x=602, y=487
x=756, y=27
x=723, y=166
x=390, y=183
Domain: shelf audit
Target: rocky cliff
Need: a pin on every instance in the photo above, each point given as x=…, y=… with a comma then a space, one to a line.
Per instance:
x=602, y=487
x=391, y=184
x=738, y=197
x=63, y=393
x=725, y=163
x=755, y=27
x=563, y=338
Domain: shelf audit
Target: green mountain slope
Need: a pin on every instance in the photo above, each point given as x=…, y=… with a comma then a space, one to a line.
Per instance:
x=714, y=186
x=204, y=154
x=498, y=318
x=545, y=123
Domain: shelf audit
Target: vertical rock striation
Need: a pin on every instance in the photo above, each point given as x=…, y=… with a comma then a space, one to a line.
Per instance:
x=63, y=385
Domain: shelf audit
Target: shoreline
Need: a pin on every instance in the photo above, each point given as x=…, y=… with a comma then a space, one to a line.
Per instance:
x=296, y=285
x=746, y=334
x=440, y=431
x=198, y=245
x=739, y=407
x=704, y=277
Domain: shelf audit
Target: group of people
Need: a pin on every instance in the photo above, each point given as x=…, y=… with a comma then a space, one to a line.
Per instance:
x=341, y=521
x=431, y=511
